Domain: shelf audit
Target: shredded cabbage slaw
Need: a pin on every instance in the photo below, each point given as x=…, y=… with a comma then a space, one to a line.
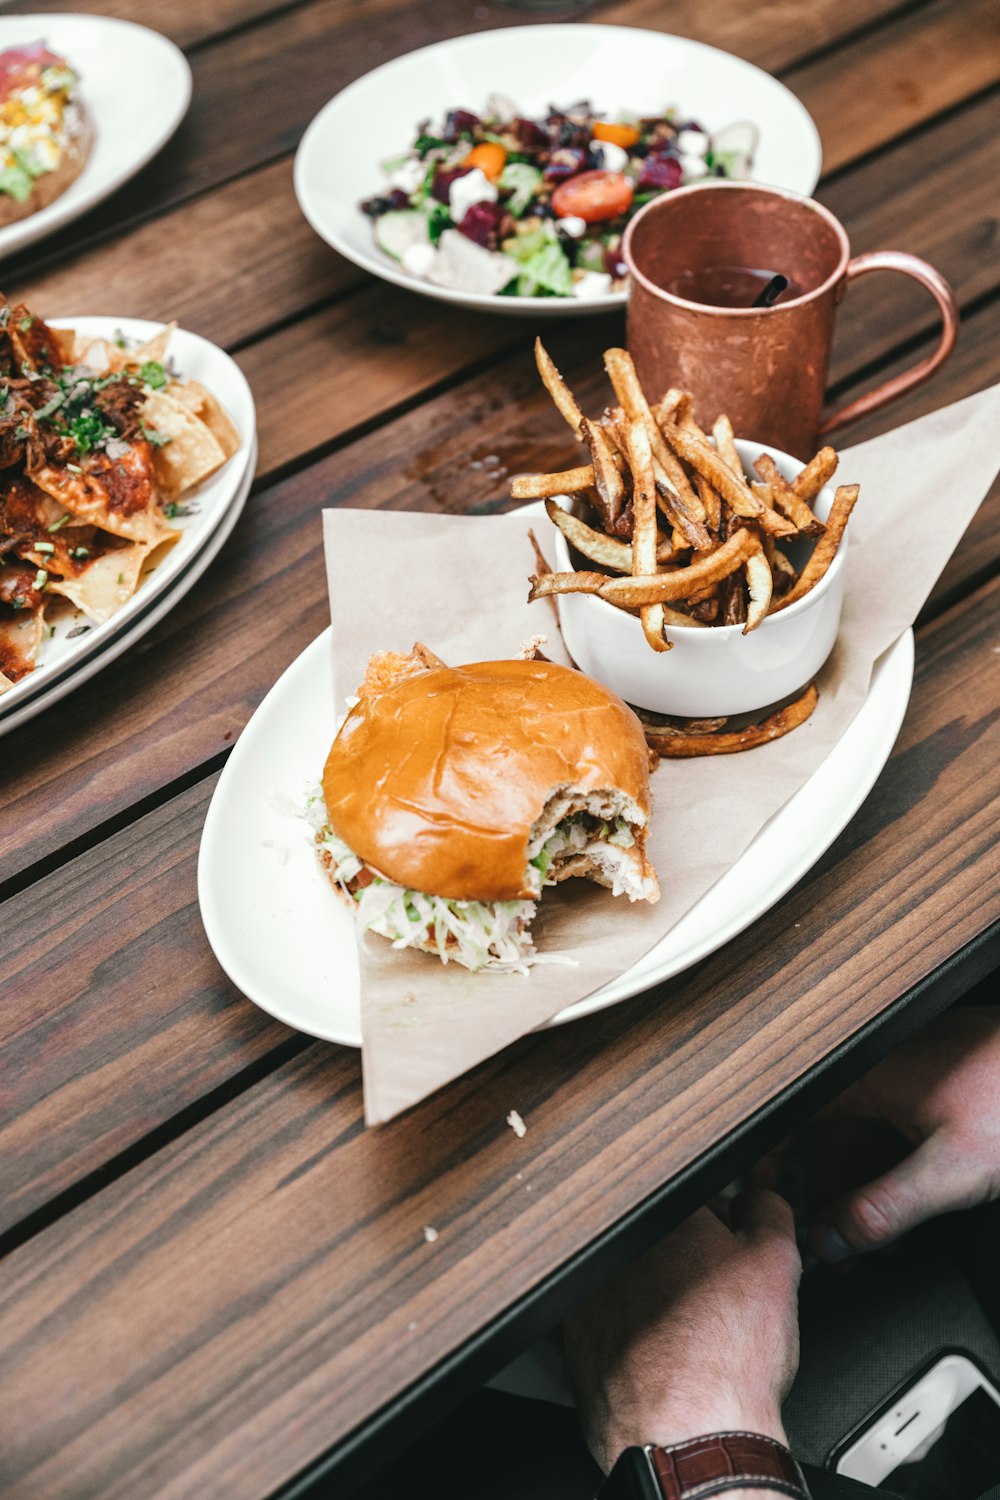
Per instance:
x=487, y=935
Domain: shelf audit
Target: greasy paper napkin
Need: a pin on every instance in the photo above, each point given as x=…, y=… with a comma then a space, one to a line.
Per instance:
x=459, y=584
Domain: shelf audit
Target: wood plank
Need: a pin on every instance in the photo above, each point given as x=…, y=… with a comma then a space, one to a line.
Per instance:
x=215, y=1319
x=131, y=1006
x=207, y=264
x=186, y=22
x=889, y=81
x=772, y=34
x=177, y=700
x=329, y=374
x=896, y=201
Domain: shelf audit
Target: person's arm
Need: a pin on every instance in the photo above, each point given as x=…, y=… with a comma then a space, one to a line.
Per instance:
x=941, y=1091
x=699, y=1336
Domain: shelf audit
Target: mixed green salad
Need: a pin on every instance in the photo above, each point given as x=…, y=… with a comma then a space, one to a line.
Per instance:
x=502, y=204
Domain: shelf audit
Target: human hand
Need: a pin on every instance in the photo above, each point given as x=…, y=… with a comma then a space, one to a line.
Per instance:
x=941, y=1091
x=700, y=1335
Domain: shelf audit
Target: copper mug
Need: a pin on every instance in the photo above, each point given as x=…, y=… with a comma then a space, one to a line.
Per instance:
x=765, y=367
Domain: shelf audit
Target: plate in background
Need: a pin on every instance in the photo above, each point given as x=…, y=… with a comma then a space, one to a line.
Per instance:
x=136, y=87
x=617, y=67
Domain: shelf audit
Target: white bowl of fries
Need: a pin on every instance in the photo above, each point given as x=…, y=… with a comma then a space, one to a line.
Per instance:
x=713, y=594
x=711, y=670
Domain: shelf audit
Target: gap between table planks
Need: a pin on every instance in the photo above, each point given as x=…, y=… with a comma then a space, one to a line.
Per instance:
x=179, y=698
x=280, y=1208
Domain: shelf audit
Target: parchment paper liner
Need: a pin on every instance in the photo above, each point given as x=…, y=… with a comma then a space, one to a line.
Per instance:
x=459, y=584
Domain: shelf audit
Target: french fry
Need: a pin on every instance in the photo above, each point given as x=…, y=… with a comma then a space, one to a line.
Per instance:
x=541, y=561
x=760, y=586
x=725, y=443
x=817, y=472
x=640, y=456
x=621, y=372
x=544, y=585
x=606, y=550
x=564, y=482
x=695, y=533
x=734, y=600
x=662, y=588
x=783, y=496
x=825, y=549
x=683, y=746
x=732, y=487
x=557, y=388
x=607, y=480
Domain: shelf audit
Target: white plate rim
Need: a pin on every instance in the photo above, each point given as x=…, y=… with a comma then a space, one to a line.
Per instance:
x=241, y=463
x=71, y=204
x=86, y=665
x=518, y=306
x=891, y=683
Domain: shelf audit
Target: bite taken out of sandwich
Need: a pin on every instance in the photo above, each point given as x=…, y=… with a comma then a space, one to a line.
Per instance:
x=453, y=796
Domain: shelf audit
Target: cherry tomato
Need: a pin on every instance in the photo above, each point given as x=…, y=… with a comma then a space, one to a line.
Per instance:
x=619, y=135
x=593, y=196
x=489, y=157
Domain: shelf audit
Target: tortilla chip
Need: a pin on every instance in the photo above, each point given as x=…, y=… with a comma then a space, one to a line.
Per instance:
x=107, y=583
x=89, y=497
x=154, y=349
x=192, y=451
x=5, y=683
x=208, y=409
x=98, y=354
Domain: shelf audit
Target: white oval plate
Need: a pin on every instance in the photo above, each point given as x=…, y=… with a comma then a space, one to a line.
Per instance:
x=197, y=359
x=284, y=939
x=618, y=67
x=136, y=86
x=85, y=664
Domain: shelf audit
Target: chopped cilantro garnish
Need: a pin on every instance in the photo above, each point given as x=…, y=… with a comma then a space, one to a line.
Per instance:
x=89, y=431
x=58, y=525
x=158, y=439
x=21, y=432
x=25, y=324
x=153, y=374
x=121, y=577
x=172, y=509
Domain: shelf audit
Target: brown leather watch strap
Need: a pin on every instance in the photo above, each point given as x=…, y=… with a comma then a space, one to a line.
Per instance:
x=726, y=1461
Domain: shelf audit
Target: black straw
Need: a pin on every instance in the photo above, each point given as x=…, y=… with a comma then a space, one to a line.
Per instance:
x=769, y=294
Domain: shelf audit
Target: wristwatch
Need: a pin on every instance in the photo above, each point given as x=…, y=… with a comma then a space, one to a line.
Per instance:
x=705, y=1466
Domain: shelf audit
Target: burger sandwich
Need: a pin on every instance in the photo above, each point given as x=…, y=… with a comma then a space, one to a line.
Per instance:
x=452, y=796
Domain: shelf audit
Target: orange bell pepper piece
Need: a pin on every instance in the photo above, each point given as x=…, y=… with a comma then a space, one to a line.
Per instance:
x=619, y=135
x=489, y=157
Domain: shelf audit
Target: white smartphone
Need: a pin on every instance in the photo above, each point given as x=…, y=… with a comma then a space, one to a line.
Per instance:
x=936, y=1438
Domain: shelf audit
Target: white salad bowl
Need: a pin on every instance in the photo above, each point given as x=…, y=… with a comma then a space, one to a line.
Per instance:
x=717, y=669
x=619, y=68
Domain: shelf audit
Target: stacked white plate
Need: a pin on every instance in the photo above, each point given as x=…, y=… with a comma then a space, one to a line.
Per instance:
x=76, y=648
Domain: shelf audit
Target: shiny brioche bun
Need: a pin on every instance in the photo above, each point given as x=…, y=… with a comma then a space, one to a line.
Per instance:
x=437, y=782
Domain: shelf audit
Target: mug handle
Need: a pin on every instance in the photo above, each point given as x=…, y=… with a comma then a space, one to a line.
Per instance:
x=910, y=265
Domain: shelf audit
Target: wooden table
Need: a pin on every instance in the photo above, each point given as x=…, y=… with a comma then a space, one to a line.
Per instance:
x=216, y=1281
